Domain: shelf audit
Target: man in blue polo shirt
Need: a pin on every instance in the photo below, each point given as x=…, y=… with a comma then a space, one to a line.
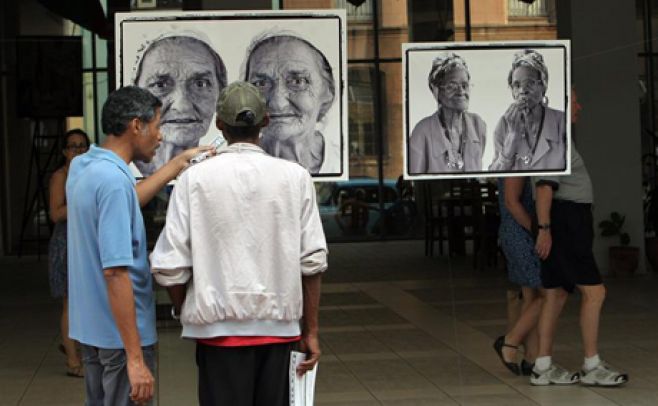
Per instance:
x=112, y=307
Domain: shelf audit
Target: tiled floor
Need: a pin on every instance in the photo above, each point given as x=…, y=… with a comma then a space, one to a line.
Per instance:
x=397, y=329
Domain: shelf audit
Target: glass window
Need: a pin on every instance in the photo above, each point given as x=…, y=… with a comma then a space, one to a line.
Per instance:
x=393, y=28
x=360, y=31
x=506, y=20
x=518, y=8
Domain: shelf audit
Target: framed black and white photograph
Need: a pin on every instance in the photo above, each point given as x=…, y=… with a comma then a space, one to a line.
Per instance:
x=486, y=109
x=296, y=58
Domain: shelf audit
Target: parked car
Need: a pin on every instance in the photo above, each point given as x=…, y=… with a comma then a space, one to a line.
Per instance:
x=351, y=208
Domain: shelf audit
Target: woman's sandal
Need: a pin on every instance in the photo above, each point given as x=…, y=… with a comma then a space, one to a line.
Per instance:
x=498, y=346
x=75, y=371
x=526, y=367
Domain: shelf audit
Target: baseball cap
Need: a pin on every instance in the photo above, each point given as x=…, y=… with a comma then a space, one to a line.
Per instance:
x=241, y=104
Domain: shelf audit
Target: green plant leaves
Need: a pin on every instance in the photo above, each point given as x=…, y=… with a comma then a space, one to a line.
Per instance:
x=613, y=226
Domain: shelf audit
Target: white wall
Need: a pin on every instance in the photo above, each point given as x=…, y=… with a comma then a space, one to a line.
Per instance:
x=605, y=71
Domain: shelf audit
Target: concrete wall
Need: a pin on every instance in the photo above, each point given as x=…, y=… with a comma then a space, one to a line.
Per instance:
x=605, y=72
x=483, y=12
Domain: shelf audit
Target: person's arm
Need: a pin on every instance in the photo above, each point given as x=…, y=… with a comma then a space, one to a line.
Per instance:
x=417, y=150
x=544, y=199
x=500, y=162
x=310, y=343
x=122, y=305
x=313, y=261
x=150, y=186
x=171, y=259
x=57, y=203
x=513, y=192
x=177, y=295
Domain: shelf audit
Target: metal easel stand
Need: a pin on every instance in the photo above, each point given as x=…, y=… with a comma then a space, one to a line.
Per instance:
x=36, y=225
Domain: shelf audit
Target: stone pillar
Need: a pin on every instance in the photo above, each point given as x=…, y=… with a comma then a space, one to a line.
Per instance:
x=608, y=136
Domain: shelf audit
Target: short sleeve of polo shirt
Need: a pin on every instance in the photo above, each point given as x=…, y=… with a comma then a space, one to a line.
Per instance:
x=552, y=181
x=115, y=206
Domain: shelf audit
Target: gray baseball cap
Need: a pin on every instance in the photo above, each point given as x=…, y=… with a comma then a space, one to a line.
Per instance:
x=241, y=104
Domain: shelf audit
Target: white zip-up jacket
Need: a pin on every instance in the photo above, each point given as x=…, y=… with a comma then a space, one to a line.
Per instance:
x=242, y=228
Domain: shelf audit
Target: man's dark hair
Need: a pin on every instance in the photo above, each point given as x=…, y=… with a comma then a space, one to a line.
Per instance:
x=242, y=132
x=125, y=104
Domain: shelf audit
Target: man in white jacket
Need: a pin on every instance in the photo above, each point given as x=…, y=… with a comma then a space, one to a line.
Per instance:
x=242, y=254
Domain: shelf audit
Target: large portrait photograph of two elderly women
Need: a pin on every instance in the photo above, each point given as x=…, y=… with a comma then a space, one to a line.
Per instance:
x=297, y=59
x=486, y=109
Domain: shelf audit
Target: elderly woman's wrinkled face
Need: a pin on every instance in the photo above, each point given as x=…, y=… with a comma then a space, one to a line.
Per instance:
x=527, y=88
x=288, y=73
x=454, y=90
x=182, y=75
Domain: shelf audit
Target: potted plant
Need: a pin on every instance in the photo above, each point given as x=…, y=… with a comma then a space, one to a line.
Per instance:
x=623, y=258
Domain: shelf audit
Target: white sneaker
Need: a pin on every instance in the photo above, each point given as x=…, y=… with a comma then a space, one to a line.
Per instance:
x=553, y=375
x=603, y=375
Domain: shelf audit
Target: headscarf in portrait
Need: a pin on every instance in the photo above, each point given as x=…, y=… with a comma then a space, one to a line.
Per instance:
x=533, y=60
x=441, y=65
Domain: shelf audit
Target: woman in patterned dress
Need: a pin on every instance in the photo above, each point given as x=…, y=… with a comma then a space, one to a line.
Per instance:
x=516, y=211
x=74, y=143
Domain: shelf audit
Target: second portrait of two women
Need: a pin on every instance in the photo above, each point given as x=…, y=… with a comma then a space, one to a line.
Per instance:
x=486, y=111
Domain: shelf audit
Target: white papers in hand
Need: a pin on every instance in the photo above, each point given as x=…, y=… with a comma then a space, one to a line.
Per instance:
x=302, y=388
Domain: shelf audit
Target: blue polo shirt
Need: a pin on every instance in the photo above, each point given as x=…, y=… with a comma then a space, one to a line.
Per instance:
x=105, y=230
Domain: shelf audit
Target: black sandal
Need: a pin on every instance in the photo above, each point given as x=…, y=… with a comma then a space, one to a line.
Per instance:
x=526, y=367
x=498, y=346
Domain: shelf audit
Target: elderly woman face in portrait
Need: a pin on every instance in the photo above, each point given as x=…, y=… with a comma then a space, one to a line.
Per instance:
x=186, y=75
x=528, y=89
x=451, y=87
x=298, y=84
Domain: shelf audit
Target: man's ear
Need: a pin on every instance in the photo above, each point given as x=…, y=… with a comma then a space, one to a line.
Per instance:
x=266, y=120
x=135, y=125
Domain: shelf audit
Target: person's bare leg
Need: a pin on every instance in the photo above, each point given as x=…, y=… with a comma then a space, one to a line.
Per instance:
x=533, y=306
x=72, y=358
x=590, y=314
x=524, y=326
x=554, y=300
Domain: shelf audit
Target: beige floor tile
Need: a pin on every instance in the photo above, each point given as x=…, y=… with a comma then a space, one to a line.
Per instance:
x=420, y=402
x=453, y=372
x=377, y=356
x=333, y=378
x=357, y=342
x=387, y=375
x=356, y=399
x=494, y=400
x=391, y=395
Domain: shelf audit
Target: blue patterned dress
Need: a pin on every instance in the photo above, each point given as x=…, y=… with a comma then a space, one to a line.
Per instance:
x=57, y=264
x=523, y=264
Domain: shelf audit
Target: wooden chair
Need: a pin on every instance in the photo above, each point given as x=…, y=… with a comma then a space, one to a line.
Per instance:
x=434, y=221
